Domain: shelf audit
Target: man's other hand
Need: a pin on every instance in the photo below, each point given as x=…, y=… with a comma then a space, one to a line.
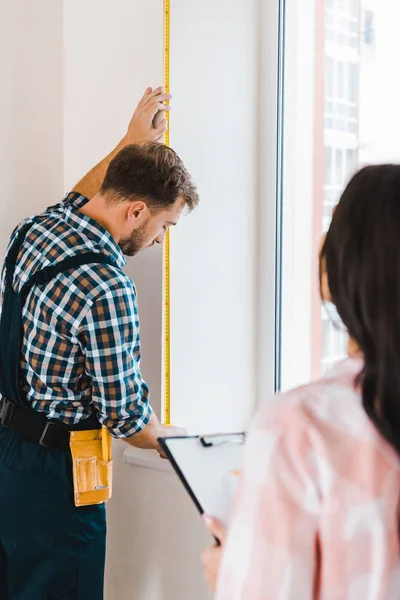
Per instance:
x=146, y=124
x=169, y=431
x=147, y=439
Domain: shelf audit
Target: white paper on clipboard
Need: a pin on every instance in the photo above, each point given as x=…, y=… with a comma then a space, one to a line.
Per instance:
x=208, y=466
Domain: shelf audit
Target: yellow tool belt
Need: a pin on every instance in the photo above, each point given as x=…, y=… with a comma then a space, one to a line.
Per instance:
x=91, y=466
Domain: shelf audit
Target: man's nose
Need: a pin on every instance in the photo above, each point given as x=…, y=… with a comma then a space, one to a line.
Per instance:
x=160, y=237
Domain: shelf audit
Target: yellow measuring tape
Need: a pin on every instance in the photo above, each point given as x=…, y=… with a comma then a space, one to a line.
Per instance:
x=166, y=266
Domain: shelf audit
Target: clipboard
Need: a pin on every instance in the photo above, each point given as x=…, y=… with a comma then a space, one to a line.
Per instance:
x=208, y=466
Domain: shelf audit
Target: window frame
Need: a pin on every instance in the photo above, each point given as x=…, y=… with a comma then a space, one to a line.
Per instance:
x=269, y=226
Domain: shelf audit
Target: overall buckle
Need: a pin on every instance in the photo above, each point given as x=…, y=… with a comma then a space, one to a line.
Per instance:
x=42, y=440
x=6, y=412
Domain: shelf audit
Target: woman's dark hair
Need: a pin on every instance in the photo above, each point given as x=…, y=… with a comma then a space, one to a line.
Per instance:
x=152, y=172
x=361, y=255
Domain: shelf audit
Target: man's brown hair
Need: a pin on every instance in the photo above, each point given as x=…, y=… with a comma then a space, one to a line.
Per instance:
x=152, y=172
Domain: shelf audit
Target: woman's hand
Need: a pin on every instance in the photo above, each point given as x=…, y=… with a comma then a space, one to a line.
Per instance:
x=211, y=558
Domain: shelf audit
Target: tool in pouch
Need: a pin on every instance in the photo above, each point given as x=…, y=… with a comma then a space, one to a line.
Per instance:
x=90, y=448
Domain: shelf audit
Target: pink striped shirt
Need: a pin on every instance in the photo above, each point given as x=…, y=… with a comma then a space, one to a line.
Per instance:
x=316, y=512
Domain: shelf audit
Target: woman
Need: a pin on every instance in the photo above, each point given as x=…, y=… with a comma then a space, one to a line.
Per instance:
x=317, y=513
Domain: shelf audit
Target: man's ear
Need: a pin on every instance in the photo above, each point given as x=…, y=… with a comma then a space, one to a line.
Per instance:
x=136, y=212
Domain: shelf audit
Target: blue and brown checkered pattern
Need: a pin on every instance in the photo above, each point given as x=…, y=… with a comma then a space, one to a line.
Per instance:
x=81, y=341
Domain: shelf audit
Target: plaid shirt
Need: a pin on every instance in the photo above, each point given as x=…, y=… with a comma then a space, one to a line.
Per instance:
x=81, y=343
x=316, y=515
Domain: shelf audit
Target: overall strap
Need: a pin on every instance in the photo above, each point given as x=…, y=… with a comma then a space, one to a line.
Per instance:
x=48, y=273
x=13, y=252
x=10, y=326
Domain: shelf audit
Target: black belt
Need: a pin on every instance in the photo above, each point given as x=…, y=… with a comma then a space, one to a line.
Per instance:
x=34, y=426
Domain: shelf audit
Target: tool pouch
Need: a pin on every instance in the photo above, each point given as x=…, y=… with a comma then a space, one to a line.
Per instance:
x=91, y=466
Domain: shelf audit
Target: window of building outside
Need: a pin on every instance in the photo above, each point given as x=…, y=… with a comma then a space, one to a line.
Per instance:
x=341, y=98
x=368, y=33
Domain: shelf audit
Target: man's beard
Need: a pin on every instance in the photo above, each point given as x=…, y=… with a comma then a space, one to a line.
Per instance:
x=135, y=243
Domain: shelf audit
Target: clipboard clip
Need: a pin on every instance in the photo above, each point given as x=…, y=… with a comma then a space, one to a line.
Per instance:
x=224, y=438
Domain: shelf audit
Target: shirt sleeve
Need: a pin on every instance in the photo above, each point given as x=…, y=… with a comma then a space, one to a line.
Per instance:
x=110, y=339
x=272, y=548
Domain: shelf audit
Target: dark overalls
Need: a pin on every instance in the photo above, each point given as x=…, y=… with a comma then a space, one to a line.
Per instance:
x=49, y=549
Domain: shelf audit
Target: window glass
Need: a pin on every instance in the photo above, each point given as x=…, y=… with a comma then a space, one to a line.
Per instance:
x=341, y=104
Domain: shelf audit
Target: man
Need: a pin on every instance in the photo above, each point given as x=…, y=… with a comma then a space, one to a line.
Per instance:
x=80, y=356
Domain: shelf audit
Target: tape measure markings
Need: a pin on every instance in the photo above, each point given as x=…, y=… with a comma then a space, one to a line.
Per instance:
x=166, y=265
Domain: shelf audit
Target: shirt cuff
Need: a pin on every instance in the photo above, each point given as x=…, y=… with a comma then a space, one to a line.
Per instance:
x=128, y=427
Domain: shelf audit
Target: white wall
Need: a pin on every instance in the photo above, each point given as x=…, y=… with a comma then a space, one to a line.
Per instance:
x=31, y=131
x=214, y=79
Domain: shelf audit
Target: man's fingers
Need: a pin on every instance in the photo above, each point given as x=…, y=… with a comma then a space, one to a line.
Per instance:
x=159, y=106
x=152, y=110
x=161, y=98
x=215, y=527
x=153, y=98
x=162, y=106
x=145, y=97
x=154, y=106
x=158, y=90
x=176, y=431
x=173, y=431
x=153, y=93
x=158, y=118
